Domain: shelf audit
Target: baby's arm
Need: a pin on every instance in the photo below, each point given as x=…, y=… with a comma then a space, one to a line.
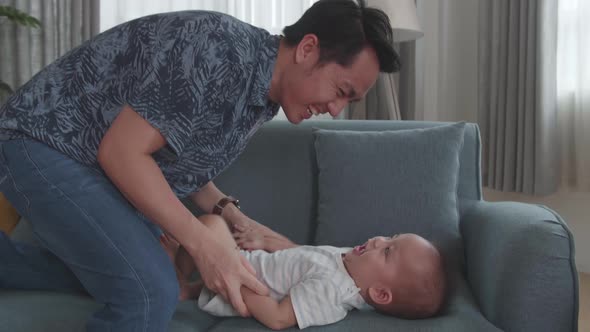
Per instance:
x=274, y=315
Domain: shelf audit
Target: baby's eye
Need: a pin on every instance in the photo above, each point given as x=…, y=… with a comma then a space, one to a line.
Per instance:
x=340, y=93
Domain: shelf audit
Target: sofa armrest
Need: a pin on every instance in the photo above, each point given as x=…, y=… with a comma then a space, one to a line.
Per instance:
x=520, y=266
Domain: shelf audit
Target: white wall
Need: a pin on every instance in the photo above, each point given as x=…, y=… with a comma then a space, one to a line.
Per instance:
x=446, y=90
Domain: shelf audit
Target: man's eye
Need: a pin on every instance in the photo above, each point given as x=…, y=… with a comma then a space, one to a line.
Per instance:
x=386, y=251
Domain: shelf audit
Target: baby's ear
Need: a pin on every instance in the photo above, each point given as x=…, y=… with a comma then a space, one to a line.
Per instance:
x=380, y=294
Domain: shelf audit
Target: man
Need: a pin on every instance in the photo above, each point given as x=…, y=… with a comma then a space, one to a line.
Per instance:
x=98, y=148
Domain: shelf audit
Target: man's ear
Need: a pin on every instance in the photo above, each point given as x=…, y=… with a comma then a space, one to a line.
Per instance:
x=307, y=49
x=380, y=294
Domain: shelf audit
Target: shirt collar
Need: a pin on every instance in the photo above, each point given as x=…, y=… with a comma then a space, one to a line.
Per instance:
x=353, y=295
x=267, y=56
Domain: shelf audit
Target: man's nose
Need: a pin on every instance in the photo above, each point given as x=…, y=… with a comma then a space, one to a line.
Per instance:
x=335, y=107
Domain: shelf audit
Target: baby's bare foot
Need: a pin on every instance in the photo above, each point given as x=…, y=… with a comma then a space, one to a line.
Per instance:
x=248, y=238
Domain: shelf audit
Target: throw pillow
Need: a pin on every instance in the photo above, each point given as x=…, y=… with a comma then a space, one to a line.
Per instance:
x=389, y=182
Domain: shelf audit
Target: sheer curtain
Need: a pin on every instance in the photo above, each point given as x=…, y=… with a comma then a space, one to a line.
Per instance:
x=271, y=15
x=573, y=92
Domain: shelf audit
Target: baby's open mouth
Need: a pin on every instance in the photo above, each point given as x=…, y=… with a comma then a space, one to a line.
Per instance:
x=359, y=250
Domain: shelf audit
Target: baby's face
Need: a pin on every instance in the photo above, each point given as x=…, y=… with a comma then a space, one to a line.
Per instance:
x=384, y=259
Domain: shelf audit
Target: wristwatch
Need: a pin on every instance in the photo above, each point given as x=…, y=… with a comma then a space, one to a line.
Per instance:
x=218, y=208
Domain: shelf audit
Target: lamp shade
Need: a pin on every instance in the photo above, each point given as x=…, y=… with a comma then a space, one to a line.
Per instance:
x=403, y=17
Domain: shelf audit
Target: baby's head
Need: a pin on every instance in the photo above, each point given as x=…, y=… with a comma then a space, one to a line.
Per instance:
x=401, y=275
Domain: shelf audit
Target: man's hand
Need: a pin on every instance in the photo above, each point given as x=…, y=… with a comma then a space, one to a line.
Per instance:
x=235, y=218
x=224, y=272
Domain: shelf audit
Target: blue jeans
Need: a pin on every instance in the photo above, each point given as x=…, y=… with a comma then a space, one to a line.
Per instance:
x=92, y=239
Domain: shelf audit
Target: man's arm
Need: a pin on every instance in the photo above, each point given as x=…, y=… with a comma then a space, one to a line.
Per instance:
x=209, y=195
x=125, y=155
x=274, y=315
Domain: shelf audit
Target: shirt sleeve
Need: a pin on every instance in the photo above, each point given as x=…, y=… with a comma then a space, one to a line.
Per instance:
x=167, y=92
x=316, y=302
x=172, y=115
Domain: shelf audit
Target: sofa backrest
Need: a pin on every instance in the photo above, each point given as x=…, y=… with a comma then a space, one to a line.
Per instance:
x=276, y=176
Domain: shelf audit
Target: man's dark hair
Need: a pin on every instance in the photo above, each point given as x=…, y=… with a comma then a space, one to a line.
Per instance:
x=344, y=29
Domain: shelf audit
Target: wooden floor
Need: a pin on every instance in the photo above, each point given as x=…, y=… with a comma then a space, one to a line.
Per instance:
x=584, y=303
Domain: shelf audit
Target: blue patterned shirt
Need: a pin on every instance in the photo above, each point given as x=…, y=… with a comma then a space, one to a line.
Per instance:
x=201, y=78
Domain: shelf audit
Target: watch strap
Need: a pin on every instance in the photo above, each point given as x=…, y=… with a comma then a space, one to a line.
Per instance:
x=218, y=208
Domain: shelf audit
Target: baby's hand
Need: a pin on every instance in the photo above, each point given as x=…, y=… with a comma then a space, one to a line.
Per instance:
x=248, y=238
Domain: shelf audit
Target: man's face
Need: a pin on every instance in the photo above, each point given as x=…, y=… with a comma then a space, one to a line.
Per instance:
x=387, y=260
x=309, y=88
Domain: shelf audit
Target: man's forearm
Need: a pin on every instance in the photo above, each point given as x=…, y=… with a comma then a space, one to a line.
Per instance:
x=125, y=155
x=208, y=196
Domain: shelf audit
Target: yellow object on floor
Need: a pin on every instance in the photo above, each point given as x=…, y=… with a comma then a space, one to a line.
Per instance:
x=8, y=215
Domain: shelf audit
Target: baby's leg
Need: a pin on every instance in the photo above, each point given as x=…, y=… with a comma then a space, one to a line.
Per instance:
x=183, y=262
x=170, y=245
x=218, y=226
x=188, y=290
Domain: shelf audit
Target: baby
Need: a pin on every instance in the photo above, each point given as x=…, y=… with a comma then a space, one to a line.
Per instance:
x=400, y=275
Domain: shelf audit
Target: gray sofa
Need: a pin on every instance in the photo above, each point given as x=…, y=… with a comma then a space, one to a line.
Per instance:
x=513, y=271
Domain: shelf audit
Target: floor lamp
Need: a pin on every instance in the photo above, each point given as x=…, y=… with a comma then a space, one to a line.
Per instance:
x=406, y=27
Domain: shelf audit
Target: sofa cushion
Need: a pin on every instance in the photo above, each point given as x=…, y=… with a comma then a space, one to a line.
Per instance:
x=37, y=311
x=389, y=182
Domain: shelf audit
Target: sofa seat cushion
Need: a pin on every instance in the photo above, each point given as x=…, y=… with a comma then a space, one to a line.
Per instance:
x=371, y=321
x=40, y=311
x=51, y=311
